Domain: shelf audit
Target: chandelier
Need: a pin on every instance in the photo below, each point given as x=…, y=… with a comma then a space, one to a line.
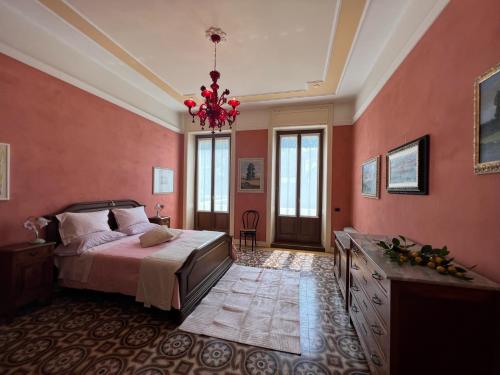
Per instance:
x=212, y=110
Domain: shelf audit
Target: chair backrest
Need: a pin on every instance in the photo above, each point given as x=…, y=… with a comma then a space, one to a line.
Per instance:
x=250, y=219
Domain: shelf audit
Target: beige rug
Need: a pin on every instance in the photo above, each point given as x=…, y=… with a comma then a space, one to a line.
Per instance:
x=253, y=306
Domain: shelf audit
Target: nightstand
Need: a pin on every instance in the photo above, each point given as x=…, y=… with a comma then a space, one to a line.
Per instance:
x=25, y=275
x=163, y=220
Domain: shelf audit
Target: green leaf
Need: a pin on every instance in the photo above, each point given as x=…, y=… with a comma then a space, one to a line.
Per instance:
x=460, y=269
x=426, y=249
x=396, y=242
x=382, y=244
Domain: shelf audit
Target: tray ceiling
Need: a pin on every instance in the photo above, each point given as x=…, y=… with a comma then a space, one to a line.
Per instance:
x=151, y=54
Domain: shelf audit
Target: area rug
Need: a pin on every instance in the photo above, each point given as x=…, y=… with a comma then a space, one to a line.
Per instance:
x=253, y=306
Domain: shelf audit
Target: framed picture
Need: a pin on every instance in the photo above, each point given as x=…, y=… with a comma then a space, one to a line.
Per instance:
x=251, y=175
x=408, y=168
x=487, y=122
x=370, y=178
x=163, y=180
x=4, y=171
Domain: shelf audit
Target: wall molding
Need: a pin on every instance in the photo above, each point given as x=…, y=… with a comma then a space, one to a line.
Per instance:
x=419, y=32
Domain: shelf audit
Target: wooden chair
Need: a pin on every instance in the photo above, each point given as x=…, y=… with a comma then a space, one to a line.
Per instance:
x=250, y=220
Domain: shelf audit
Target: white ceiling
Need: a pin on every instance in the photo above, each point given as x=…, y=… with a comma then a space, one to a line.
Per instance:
x=272, y=46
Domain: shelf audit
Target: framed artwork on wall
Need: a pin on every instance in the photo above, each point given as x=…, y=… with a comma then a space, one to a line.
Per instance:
x=487, y=122
x=408, y=168
x=4, y=171
x=251, y=175
x=163, y=180
x=370, y=178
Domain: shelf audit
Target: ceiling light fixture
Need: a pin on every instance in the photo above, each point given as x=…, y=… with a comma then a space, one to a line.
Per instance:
x=212, y=109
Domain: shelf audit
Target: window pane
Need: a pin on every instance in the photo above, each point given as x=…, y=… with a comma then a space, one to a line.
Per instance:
x=288, y=175
x=221, y=175
x=204, y=174
x=309, y=175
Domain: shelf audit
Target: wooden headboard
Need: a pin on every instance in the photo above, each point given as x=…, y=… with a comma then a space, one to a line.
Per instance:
x=52, y=230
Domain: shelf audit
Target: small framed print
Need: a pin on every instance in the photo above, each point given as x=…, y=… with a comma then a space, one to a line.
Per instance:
x=408, y=168
x=251, y=175
x=4, y=171
x=370, y=178
x=163, y=180
x=487, y=122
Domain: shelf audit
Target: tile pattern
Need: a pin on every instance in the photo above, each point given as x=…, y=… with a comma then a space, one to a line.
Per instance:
x=84, y=332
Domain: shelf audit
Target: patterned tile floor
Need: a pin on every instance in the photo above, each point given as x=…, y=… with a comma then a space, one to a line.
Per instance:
x=94, y=333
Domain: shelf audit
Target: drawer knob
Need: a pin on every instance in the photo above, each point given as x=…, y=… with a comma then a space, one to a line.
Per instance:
x=376, y=329
x=376, y=359
x=377, y=276
x=354, y=308
x=376, y=300
x=355, y=267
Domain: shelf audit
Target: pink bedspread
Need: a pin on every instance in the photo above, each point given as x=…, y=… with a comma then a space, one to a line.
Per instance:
x=113, y=267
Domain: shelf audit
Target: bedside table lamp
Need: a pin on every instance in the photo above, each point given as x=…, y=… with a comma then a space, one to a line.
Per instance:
x=158, y=208
x=35, y=224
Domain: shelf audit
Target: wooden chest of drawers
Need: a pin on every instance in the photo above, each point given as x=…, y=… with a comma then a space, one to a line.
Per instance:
x=341, y=262
x=163, y=220
x=25, y=275
x=412, y=320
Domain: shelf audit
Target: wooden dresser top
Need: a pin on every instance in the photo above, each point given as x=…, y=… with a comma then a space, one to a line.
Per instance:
x=343, y=238
x=407, y=272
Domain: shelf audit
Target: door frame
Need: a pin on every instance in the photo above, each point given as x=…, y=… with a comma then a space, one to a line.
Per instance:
x=299, y=133
x=212, y=137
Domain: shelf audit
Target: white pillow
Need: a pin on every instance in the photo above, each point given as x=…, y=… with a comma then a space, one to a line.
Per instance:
x=138, y=228
x=73, y=225
x=157, y=236
x=88, y=241
x=126, y=217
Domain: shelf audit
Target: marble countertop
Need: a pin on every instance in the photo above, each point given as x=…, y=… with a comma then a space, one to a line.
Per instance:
x=407, y=272
x=343, y=238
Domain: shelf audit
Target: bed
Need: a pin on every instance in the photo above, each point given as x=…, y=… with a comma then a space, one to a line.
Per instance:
x=201, y=270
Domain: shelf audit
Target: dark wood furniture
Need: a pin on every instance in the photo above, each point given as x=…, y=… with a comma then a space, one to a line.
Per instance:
x=249, y=220
x=341, y=255
x=201, y=271
x=412, y=320
x=293, y=230
x=25, y=275
x=162, y=220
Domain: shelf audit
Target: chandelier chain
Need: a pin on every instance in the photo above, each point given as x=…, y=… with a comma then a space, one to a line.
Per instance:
x=215, y=56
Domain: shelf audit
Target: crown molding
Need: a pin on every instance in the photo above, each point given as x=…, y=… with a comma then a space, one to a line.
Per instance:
x=37, y=64
x=364, y=100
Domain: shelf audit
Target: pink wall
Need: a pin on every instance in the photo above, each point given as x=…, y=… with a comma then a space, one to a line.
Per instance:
x=251, y=144
x=70, y=146
x=432, y=93
x=341, y=172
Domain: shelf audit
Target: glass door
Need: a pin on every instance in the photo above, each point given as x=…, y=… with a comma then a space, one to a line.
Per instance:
x=213, y=154
x=299, y=176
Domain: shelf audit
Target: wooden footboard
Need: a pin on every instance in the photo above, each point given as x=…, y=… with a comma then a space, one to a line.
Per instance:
x=201, y=271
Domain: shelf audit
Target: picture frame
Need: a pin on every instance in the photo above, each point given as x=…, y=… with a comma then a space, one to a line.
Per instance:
x=487, y=122
x=370, y=178
x=407, y=168
x=4, y=171
x=251, y=175
x=163, y=180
